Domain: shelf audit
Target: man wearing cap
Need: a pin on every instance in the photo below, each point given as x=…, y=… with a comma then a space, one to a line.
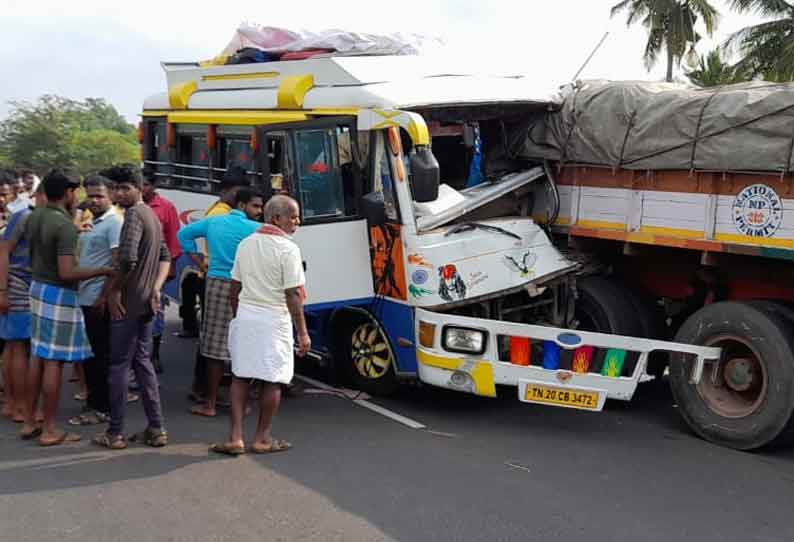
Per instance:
x=58, y=332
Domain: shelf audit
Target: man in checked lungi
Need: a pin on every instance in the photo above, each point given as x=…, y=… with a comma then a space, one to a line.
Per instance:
x=267, y=298
x=15, y=306
x=223, y=234
x=58, y=333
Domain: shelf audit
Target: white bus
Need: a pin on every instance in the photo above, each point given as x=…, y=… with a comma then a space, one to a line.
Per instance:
x=419, y=265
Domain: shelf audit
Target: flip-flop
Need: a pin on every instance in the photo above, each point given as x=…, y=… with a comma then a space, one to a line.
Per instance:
x=30, y=435
x=111, y=442
x=63, y=438
x=276, y=445
x=224, y=449
x=195, y=397
x=89, y=418
x=198, y=411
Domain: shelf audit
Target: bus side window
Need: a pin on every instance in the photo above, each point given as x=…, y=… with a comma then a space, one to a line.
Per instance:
x=157, y=155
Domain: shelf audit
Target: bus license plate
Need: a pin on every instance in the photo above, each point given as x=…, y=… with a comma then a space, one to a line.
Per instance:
x=550, y=395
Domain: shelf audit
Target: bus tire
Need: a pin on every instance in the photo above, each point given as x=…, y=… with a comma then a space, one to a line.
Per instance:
x=604, y=306
x=366, y=355
x=746, y=401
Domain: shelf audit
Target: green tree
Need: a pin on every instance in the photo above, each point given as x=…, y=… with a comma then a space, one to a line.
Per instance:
x=670, y=25
x=766, y=49
x=60, y=132
x=713, y=71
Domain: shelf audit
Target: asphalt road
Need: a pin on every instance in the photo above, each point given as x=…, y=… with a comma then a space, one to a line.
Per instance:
x=482, y=470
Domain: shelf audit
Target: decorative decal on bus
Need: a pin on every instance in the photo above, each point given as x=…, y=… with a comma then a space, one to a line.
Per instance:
x=525, y=266
x=450, y=283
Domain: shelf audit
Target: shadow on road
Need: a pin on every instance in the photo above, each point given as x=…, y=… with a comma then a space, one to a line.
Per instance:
x=81, y=465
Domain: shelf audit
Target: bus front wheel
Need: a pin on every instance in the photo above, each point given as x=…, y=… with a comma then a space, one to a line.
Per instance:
x=368, y=356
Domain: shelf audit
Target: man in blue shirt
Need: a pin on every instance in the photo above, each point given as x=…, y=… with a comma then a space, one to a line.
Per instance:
x=98, y=248
x=223, y=234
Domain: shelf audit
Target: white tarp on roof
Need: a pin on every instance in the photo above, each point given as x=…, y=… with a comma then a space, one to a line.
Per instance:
x=272, y=39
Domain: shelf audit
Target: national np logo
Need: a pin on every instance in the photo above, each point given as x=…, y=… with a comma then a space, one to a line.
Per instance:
x=757, y=211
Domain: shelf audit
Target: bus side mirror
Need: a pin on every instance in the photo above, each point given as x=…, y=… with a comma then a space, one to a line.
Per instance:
x=425, y=176
x=373, y=208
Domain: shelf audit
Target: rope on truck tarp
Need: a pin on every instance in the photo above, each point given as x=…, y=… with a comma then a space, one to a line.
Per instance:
x=713, y=134
x=790, y=154
x=629, y=126
x=697, y=129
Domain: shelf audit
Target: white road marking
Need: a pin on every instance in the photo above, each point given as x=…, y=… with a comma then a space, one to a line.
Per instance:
x=519, y=467
x=399, y=418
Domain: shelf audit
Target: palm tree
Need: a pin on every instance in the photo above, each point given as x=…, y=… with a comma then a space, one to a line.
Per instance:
x=670, y=25
x=767, y=48
x=713, y=71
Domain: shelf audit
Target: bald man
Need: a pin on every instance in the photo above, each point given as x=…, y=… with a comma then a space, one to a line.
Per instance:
x=267, y=298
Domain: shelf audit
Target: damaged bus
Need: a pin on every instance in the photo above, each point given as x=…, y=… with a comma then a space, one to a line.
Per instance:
x=419, y=265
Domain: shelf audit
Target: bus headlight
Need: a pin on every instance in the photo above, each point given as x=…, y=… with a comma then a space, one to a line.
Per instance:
x=463, y=340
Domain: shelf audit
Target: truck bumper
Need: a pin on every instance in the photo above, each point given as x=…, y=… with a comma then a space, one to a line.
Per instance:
x=480, y=373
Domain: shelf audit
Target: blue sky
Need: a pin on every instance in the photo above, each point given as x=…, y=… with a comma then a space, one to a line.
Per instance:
x=105, y=49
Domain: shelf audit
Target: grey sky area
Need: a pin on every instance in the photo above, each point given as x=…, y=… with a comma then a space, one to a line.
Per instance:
x=98, y=49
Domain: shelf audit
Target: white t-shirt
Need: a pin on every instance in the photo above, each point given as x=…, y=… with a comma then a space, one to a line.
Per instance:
x=266, y=265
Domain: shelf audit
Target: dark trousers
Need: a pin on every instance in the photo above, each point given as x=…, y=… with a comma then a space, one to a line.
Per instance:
x=191, y=298
x=200, y=373
x=197, y=285
x=132, y=346
x=97, y=326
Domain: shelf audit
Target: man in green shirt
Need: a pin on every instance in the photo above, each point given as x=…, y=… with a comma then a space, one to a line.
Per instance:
x=58, y=333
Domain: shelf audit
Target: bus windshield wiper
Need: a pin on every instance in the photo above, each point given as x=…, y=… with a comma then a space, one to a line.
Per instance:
x=468, y=226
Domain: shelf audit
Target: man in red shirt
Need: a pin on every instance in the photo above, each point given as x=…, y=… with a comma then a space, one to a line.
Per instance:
x=169, y=219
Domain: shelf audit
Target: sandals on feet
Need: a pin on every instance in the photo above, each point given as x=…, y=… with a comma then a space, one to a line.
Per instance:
x=276, y=445
x=201, y=410
x=156, y=438
x=62, y=438
x=226, y=449
x=30, y=435
x=89, y=418
x=111, y=442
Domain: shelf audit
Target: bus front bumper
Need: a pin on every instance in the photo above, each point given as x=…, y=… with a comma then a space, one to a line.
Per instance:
x=443, y=360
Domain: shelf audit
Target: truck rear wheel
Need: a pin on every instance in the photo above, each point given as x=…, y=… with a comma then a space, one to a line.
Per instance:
x=746, y=398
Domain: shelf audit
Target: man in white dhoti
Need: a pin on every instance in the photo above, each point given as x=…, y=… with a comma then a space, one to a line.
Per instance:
x=267, y=297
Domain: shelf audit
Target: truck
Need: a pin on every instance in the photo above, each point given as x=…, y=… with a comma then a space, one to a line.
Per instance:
x=678, y=200
x=422, y=256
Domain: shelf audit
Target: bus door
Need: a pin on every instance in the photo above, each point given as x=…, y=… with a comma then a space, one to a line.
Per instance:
x=317, y=162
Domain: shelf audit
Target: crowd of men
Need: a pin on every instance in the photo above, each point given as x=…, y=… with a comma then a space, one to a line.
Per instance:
x=81, y=284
